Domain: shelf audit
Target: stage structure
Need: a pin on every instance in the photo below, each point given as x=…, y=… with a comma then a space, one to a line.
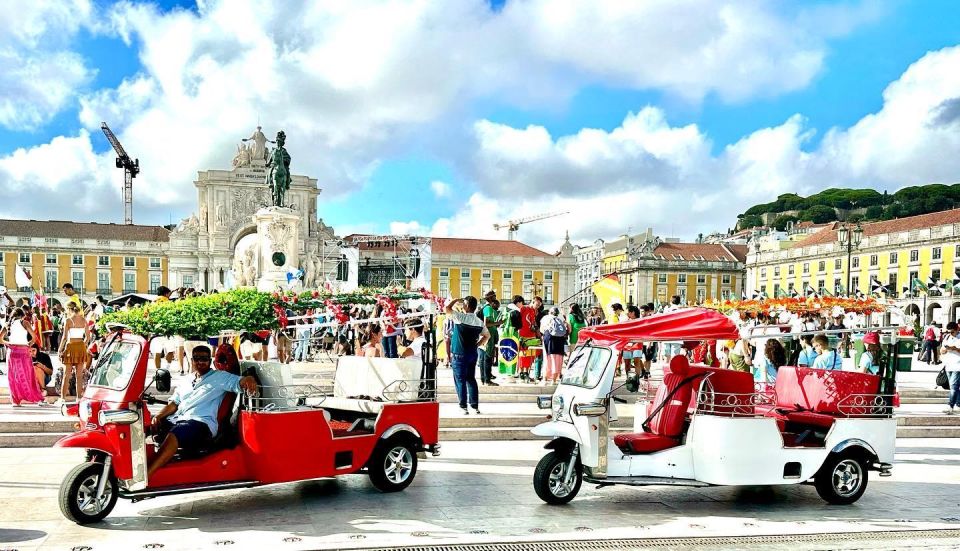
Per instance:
x=391, y=260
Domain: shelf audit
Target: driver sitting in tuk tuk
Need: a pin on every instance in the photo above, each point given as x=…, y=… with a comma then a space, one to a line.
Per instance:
x=189, y=420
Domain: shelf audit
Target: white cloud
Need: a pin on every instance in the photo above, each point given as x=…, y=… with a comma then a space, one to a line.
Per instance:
x=440, y=189
x=351, y=83
x=648, y=173
x=39, y=76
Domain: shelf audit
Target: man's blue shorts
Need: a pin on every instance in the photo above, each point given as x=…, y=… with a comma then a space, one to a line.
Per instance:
x=191, y=434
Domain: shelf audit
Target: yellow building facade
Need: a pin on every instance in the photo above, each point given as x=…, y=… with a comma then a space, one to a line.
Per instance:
x=894, y=252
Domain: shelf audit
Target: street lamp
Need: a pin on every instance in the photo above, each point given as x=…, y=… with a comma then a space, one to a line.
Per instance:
x=851, y=240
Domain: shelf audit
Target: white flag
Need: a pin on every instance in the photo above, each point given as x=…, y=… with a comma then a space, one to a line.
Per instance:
x=23, y=279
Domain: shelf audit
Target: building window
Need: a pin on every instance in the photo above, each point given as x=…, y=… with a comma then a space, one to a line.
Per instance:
x=791, y=269
x=893, y=258
x=763, y=272
x=77, y=280
x=103, y=261
x=155, y=262
x=77, y=260
x=528, y=275
x=873, y=260
x=129, y=262
x=806, y=267
x=682, y=279
x=2, y=278
x=188, y=280
x=507, y=292
x=661, y=294
x=444, y=289
x=464, y=289
x=725, y=294
x=820, y=286
x=485, y=288
x=548, y=293
x=836, y=286
x=155, y=282
x=701, y=294
x=103, y=283
x=914, y=255
x=892, y=285
x=854, y=284
x=507, y=274
x=776, y=290
x=935, y=274
x=837, y=264
x=661, y=278
x=129, y=282
x=914, y=276
x=486, y=273
x=464, y=273
x=822, y=266
x=936, y=254
x=51, y=281
x=956, y=252
x=701, y=279
x=776, y=271
x=683, y=295
x=444, y=272
x=548, y=276
x=790, y=287
x=25, y=258
x=855, y=262
x=51, y=259
x=725, y=279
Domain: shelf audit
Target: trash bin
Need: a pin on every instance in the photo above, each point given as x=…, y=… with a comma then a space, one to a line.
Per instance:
x=904, y=356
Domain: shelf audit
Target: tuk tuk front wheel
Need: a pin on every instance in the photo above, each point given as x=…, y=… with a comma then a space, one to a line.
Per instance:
x=78, y=491
x=842, y=479
x=393, y=465
x=550, y=478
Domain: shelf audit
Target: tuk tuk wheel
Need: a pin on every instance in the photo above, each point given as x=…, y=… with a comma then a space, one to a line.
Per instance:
x=393, y=465
x=549, y=480
x=842, y=479
x=78, y=491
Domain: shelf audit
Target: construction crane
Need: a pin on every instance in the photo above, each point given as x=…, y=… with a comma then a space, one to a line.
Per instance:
x=513, y=225
x=130, y=170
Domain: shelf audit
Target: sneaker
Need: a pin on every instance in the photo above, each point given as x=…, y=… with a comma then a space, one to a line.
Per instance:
x=59, y=402
x=43, y=403
x=948, y=411
x=491, y=383
x=476, y=411
x=465, y=411
x=16, y=405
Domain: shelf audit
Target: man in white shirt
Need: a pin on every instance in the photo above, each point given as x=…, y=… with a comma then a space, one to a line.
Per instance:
x=413, y=330
x=950, y=356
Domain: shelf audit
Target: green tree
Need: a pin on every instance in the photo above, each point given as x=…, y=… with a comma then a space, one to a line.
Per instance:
x=749, y=221
x=818, y=214
x=874, y=212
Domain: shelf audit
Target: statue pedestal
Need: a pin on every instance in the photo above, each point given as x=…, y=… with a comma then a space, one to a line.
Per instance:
x=278, y=229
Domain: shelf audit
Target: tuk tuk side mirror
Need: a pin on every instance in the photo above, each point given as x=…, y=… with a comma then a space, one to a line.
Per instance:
x=162, y=380
x=633, y=383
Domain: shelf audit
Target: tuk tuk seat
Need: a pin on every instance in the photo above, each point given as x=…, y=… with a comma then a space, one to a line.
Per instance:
x=666, y=427
x=226, y=436
x=811, y=397
x=733, y=390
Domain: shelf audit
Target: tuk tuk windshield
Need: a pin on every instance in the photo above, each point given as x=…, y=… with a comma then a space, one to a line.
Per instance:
x=116, y=365
x=586, y=367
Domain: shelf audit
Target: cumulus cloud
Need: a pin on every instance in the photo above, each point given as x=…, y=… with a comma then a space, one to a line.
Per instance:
x=440, y=189
x=647, y=173
x=351, y=83
x=39, y=75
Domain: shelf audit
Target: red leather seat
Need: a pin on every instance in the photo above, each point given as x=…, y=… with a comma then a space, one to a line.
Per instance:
x=810, y=419
x=666, y=427
x=810, y=398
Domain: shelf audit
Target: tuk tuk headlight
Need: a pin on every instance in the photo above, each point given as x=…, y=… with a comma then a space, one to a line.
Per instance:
x=86, y=411
x=592, y=409
x=558, y=408
x=545, y=402
x=117, y=417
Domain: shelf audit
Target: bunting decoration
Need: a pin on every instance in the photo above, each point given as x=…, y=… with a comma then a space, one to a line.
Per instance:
x=800, y=306
x=878, y=288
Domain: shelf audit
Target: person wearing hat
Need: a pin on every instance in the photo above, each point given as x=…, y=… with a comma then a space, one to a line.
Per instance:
x=870, y=359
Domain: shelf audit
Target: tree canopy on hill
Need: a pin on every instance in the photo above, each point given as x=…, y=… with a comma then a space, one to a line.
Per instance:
x=909, y=201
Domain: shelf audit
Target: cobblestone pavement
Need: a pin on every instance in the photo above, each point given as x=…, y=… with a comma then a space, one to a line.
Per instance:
x=474, y=492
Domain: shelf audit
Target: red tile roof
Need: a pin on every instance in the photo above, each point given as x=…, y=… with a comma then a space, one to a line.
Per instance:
x=83, y=230
x=897, y=225
x=457, y=245
x=708, y=251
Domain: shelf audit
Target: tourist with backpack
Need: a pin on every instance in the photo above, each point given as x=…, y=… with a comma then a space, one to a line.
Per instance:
x=554, y=330
x=931, y=345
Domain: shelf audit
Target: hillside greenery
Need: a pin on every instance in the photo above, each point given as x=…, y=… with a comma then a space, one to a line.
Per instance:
x=819, y=208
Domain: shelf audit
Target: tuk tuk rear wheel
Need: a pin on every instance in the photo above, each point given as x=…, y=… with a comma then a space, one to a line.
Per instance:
x=842, y=479
x=78, y=494
x=393, y=464
x=549, y=479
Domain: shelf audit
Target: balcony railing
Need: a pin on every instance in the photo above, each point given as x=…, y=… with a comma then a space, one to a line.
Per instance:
x=127, y=291
x=104, y=291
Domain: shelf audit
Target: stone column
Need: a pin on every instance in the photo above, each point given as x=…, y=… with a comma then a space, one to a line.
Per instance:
x=278, y=232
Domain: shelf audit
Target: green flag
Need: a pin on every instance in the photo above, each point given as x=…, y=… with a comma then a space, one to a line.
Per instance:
x=919, y=285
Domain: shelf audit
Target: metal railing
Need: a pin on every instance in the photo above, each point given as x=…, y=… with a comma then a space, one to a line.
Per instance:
x=284, y=398
x=869, y=406
x=410, y=390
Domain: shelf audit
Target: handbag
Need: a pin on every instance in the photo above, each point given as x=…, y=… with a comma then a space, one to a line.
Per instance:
x=943, y=381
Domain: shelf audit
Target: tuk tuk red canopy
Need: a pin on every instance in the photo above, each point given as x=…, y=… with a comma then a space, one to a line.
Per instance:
x=690, y=324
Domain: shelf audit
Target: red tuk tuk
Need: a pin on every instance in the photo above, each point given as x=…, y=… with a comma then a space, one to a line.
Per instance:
x=380, y=414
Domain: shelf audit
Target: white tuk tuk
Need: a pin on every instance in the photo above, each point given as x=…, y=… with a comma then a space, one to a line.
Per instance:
x=711, y=426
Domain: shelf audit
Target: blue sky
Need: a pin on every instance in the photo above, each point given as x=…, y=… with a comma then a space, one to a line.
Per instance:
x=394, y=185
